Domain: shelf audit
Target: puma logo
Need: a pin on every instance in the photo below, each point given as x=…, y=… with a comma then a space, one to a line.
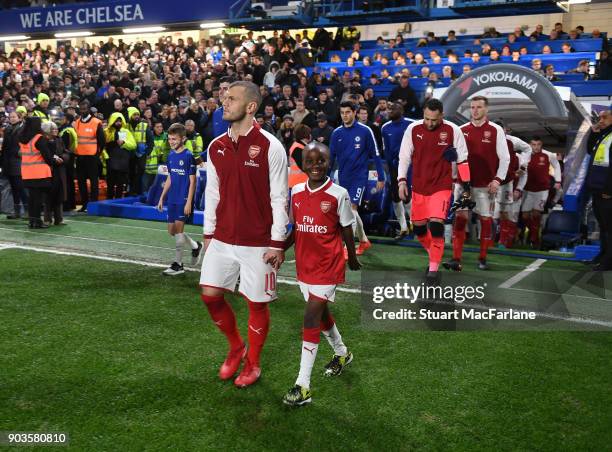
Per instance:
x=419, y=136
x=297, y=204
x=256, y=330
x=219, y=322
x=467, y=134
x=221, y=151
x=311, y=350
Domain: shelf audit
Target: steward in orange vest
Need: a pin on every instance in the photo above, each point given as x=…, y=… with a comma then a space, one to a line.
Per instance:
x=302, y=138
x=36, y=162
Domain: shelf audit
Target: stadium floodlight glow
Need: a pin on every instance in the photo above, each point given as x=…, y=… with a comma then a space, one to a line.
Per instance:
x=143, y=29
x=14, y=38
x=208, y=25
x=74, y=34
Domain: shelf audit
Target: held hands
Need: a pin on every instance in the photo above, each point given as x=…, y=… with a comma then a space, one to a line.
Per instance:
x=404, y=192
x=380, y=185
x=557, y=185
x=274, y=257
x=517, y=194
x=493, y=186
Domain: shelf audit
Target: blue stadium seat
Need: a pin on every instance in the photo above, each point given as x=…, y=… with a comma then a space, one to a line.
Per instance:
x=562, y=229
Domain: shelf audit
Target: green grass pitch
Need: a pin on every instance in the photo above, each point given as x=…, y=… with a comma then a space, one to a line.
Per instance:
x=123, y=359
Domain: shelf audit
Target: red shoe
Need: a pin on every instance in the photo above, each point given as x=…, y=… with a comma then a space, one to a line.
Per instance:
x=345, y=254
x=362, y=247
x=249, y=375
x=232, y=363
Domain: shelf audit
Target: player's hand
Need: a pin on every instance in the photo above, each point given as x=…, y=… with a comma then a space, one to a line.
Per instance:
x=274, y=257
x=120, y=143
x=517, y=194
x=160, y=206
x=380, y=185
x=187, y=209
x=557, y=185
x=404, y=193
x=354, y=263
x=493, y=186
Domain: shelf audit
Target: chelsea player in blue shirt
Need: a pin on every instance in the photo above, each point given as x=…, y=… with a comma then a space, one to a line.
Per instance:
x=353, y=144
x=180, y=188
x=392, y=134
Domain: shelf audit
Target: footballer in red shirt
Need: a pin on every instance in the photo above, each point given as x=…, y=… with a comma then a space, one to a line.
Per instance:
x=537, y=187
x=488, y=158
x=322, y=220
x=431, y=146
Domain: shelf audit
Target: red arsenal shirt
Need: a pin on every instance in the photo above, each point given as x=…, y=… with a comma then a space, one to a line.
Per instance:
x=318, y=217
x=538, y=176
x=424, y=149
x=487, y=152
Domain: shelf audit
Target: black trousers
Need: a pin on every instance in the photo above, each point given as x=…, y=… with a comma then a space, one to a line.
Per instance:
x=20, y=196
x=116, y=183
x=602, y=208
x=35, y=203
x=70, y=203
x=137, y=169
x=87, y=168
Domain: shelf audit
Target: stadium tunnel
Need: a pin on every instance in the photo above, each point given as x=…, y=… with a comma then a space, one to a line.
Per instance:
x=529, y=105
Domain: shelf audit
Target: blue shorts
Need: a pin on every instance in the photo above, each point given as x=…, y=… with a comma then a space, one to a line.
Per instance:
x=355, y=189
x=176, y=212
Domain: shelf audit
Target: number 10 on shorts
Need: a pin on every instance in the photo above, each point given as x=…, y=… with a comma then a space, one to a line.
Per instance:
x=270, y=282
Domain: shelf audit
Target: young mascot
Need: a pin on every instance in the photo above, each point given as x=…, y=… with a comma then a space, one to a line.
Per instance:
x=322, y=217
x=180, y=187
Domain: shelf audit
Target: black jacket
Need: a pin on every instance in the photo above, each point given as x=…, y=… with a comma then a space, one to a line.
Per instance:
x=11, y=162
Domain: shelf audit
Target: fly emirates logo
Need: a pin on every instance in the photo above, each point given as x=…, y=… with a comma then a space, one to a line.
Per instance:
x=307, y=225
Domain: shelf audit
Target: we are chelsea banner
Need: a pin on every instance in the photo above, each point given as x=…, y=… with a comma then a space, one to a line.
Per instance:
x=110, y=14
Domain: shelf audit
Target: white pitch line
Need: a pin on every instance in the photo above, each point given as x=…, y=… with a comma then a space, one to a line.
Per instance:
x=291, y=282
x=51, y=234
x=285, y=280
x=523, y=274
x=116, y=225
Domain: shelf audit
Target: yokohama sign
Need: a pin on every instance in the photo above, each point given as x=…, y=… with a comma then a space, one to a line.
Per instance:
x=520, y=78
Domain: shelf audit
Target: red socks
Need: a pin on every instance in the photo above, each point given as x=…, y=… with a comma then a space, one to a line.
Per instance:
x=458, y=236
x=486, y=227
x=259, y=324
x=508, y=231
x=222, y=314
x=425, y=241
x=534, y=229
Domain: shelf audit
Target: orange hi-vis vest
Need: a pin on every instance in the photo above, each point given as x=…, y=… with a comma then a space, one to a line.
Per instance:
x=87, y=142
x=33, y=165
x=296, y=175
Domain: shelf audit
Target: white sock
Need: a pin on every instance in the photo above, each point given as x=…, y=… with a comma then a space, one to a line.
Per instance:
x=180, y=242
x=335, y=340
x=361, y=235
x=192, y=243
x=400, y=214
x=309, y=354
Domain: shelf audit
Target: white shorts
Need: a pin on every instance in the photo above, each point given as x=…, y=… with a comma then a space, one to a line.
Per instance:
x=325, y=292
x=534, y=200
x=515, y=210
x=504, y=198
x=485, y=201
x=224, y=263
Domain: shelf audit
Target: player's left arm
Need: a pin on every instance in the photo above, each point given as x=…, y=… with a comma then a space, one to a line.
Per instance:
x=277, y=163
x=556, y=168
x=501, y=146
x=374, y=154
x=463, y=168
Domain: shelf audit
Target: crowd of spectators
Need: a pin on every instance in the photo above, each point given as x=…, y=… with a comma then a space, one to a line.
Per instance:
x=179, y=81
